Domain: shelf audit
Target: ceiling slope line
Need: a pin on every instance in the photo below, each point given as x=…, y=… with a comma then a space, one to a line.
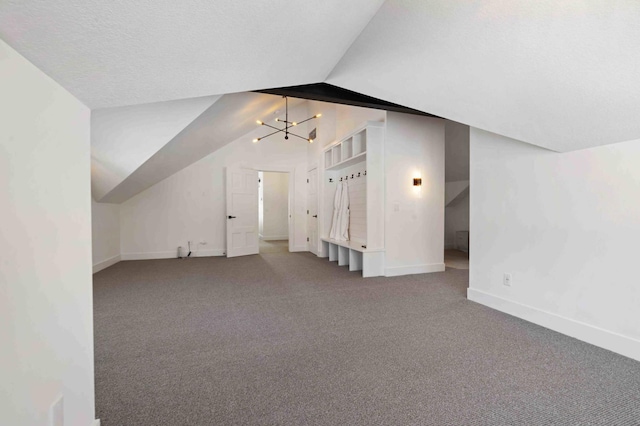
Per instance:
x=125, y=138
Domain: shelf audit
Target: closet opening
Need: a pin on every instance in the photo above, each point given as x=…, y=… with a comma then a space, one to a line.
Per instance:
x=273, y=211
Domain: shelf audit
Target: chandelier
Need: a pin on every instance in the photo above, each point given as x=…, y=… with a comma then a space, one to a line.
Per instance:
x=287, y=125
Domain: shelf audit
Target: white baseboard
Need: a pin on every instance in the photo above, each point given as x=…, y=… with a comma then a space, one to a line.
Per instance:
x=106, y=263
x=170, y=254
x=609, y=340
x=414, y=269
x=299, y=248
x=274, y=237
x=96, y=422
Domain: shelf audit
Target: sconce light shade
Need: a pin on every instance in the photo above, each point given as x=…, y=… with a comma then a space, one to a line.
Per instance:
x=417, y=181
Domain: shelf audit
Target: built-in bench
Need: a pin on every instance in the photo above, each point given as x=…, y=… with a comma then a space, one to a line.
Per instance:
x=356, y=256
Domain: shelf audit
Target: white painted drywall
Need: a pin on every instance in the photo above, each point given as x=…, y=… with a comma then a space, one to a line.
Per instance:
x=228, y=119
x=46, y=305
x=122, y=139
x=533, y=71
x=275, y=202
x=105, y=234
x=148, y=51
x=414, y=218
x=190, y=205
x=349, y=118
x=565, y=226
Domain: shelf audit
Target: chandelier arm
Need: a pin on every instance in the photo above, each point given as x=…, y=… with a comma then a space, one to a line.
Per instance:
x=304, y=121
x=275, y=128
x=293, y=134
x=270, y=134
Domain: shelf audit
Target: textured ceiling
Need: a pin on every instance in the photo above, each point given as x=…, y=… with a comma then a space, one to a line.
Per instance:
x=229, y=118
x=561, y=74
x=115, y=53
x=122, y=139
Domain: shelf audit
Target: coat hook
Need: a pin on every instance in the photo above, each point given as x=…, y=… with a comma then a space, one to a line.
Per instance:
x=351, y=176
x=365, y=172
x=330, y=180
x=358, y=174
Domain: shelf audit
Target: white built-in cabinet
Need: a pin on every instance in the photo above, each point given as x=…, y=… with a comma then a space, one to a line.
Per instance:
x=359, y=160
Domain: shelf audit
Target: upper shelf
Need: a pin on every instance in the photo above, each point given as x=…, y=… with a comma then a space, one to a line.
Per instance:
x=346, y=152
x=349, y=162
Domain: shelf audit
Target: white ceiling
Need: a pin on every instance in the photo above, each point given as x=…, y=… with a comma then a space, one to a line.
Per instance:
x=115, y=53
x=561, y=74
x=122, y=139
x=229, y=118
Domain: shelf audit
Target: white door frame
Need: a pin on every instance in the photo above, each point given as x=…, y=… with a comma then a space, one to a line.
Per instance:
x=291, y=197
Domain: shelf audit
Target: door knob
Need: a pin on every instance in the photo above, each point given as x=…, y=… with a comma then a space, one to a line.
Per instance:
x=315, y=215
x=232, y=217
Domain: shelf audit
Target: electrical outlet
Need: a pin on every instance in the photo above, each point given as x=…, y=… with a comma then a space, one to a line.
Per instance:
x=56, y=413
x=506, y=280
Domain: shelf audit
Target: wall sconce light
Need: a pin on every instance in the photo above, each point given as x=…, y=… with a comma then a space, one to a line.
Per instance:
x=417, y=181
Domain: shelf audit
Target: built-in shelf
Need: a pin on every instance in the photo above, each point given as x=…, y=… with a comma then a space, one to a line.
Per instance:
x=328, y=160
x=352, y=245
x=357, y=159
x=348, y=162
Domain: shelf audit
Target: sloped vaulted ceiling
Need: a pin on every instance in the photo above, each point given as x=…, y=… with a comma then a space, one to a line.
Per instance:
x=560, y=74
x=122, y=52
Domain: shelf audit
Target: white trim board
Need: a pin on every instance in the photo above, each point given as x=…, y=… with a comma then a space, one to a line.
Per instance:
x=605, y=339
x=173, y=254
x=414, y=269
x=96, y=422
x=275, y=238
x=106, y=263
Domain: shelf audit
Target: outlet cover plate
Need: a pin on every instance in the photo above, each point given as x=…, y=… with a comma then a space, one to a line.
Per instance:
x=506, y=280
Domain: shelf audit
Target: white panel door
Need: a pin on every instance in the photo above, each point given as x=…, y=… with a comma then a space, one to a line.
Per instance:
x=312, y=222
x=242, y=212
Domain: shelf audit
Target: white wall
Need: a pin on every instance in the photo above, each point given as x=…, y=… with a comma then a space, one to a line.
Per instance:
x=349, y=118
x=414, y=219
x=46, y=313
x=105, y=234
x=275, y=203
x=190, y=205
x=565, y=226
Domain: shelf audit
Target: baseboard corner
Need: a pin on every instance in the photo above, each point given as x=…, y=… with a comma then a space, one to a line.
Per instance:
x=588, y=333
x=106, y=263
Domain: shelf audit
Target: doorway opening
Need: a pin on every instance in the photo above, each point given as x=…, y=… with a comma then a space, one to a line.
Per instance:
x=273, y=212
x=457, y=196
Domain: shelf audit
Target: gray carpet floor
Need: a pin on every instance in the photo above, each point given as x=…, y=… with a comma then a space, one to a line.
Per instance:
x=291, y=339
